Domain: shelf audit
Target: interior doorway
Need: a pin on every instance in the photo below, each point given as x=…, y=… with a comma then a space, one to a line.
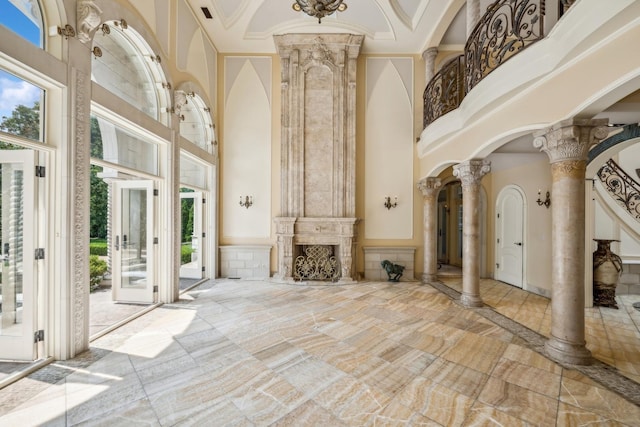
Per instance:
x=510, y=243
x=450, y=225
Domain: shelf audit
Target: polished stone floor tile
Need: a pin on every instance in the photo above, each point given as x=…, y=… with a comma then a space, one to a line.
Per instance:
x=253, y=353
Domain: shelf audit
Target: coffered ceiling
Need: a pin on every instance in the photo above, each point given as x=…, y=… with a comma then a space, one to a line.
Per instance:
x=389, y=26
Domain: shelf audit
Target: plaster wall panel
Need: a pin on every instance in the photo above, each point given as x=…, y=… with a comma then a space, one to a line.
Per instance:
x=246, y=153
x=388, y=154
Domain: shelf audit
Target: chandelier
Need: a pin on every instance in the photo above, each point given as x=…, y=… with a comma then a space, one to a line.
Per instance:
x=319, y=8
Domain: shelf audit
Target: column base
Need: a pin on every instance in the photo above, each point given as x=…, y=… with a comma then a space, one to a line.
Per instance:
x=563, y=351
x=471, y=301
x=428, y=278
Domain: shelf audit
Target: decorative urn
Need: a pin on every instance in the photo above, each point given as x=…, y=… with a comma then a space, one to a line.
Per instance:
x=606, y=271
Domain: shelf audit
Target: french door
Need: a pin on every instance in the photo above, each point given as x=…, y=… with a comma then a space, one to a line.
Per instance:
x=192, y=248
x=17, y=255
x=132, y=241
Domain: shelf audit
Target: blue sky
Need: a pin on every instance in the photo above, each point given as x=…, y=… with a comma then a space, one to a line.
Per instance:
x=14, y=91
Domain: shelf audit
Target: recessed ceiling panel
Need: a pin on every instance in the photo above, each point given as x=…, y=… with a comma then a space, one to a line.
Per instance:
x=361, y=16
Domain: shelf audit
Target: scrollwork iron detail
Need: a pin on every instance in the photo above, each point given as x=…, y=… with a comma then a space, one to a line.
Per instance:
x=505, y=30
x=445, y=91
x=318, y=263
x=622, y=187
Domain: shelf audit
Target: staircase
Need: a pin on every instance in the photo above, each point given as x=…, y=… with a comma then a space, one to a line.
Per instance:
x=624, y=193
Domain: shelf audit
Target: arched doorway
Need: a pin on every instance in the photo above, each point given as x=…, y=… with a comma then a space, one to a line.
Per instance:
x=510, y=245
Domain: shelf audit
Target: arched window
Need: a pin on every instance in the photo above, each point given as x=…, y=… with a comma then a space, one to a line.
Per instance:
x=196, y=125
x=127, y=67
x=23, y=17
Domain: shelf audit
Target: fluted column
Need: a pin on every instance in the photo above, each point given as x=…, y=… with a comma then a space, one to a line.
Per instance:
x=430, y=187
x=473, y=15
x=470, y=173
x=567, y=144
x=429, y=57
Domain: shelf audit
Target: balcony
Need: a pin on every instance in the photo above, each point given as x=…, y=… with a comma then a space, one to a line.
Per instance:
x=506, y=29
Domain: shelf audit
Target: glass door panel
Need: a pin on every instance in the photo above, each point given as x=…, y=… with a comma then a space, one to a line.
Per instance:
x=132, y=241
x=191, y=232
x=17, y=260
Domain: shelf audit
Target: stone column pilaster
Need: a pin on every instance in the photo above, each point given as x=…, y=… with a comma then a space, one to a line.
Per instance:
x=567, y=144
x=429, y=57
x=430, y=187
x=473, y=15
x=470, y=173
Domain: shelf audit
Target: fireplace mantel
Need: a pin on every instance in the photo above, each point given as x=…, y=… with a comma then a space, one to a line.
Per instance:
x=338, y=232
x=318, y=154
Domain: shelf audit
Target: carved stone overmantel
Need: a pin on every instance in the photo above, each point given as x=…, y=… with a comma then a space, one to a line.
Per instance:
x=318, y=124
x=318, y=157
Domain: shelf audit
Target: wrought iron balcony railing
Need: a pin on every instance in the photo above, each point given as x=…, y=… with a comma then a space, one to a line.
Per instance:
x=445, y=91
x=622, y=187
x=508, y=27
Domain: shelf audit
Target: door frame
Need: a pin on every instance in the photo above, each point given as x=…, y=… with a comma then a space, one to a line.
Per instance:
x=198, y=209
x=523, y=198
x=145, y=295
x=22, y=347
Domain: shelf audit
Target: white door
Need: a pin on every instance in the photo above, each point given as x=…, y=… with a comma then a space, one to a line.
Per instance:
x=192, y=250
x=17, y=255
x=132, y=240
x=510, y=237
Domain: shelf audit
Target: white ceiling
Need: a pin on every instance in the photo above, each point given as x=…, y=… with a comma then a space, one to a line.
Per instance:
x=389, y=26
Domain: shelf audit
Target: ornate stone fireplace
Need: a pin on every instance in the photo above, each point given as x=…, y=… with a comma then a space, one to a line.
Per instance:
x=318, y=148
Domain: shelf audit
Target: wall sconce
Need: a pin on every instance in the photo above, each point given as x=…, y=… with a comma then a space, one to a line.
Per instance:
x=388, y=204
x=248, y=201
x=546, y=202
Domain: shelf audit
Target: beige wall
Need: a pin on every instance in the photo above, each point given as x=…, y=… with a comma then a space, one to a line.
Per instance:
x=530, y=172
x=411, y=234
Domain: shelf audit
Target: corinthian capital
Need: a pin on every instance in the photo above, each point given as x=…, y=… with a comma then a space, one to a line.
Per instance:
x=570, y=140
x=429, y=186
x=470, y=172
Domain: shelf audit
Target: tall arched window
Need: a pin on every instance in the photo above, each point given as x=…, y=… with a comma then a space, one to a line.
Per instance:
x=23, y=17
x=128, y=68
x=196, y=125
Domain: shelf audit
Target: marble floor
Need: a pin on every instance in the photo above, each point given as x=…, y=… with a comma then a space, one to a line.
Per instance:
x=612, y=335
x=252, y=353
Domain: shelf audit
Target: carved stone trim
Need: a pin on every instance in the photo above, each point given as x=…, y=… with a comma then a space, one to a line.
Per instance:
x=334, y=54
x=575, y=169
x=429, y=187
x=570, y=139
x=179, y=100
x=470, y=172
x=88, y=19
x=80, y=236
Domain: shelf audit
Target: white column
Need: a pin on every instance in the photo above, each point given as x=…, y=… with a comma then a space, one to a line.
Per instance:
x=429, y=57
x=430, y=187
x=567, y=144
x=473, y=15
x=470, y=173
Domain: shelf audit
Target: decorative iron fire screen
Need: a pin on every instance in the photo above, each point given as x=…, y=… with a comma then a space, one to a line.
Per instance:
x=623, y=188
x=318, y=263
